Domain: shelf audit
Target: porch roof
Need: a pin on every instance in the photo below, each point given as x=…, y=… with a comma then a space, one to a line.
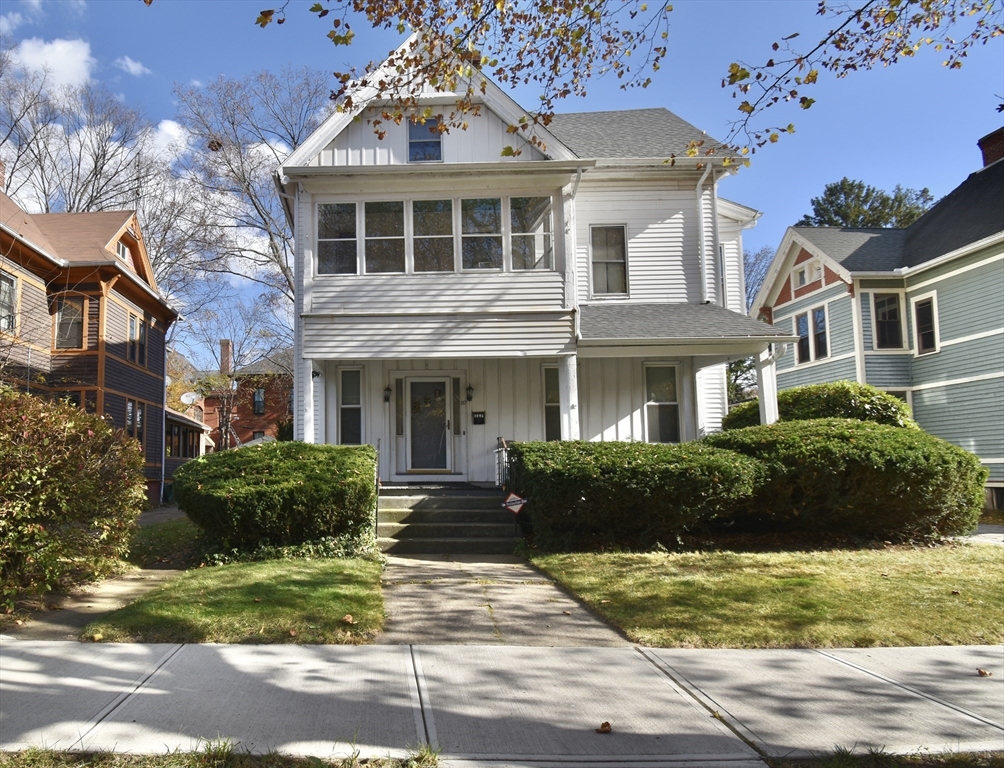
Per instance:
x=668, y=323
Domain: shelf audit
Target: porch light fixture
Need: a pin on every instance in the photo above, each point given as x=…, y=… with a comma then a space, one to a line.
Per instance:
x=386, y=394
x=315, y=374
x=470, y=393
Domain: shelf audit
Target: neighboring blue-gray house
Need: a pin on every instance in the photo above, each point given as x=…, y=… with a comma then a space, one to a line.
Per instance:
x=918, y=312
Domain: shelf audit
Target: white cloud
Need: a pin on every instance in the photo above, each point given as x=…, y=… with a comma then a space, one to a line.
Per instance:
x=134, y=68
x=69, y=62
x=195, y=83
x=10, y=21
x=79, y=6
x=34, y=5
x=170, y=139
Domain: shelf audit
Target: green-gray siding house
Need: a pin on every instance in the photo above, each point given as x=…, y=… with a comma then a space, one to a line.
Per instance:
x=918, y=312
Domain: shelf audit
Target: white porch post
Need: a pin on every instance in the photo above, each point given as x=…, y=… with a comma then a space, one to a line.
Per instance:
x=766, y=379
x=568, y=384
x=307, y=401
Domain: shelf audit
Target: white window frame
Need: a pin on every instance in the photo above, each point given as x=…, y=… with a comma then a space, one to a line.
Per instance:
x=15, y=306
x=422, y=122
x=812, y=335
x=366, y=238
x=646, y=402
x=543, y=397
x=813, y=269
x=914, y=301
x=627, y=270
x=362, y=403
x=359, y=238
x=902, y=320
x=122, y=250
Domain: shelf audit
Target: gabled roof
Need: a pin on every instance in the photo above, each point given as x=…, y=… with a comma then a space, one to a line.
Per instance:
x=858, y=250
x=83, y=236
x=632, y=133
x=661, y=322
x=280, y=362
x=22, y=224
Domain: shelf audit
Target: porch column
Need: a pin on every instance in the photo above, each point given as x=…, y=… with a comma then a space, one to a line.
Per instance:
x=766, y=380
x=306, y=403
x=568, y=384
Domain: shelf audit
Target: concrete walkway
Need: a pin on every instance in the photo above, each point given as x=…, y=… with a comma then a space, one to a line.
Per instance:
x=501, y=705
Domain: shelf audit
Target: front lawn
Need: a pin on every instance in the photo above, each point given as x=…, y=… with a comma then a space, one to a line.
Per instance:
x=896, y=596
x=334, y=600
x=213, y=755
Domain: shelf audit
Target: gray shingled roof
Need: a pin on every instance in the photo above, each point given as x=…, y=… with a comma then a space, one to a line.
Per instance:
x=972, y=211
x=859, y=250
x=632, y=133
x=670, y=322
x=280, y=362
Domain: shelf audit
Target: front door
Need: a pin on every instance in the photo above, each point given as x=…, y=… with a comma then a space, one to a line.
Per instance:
x=429, y=438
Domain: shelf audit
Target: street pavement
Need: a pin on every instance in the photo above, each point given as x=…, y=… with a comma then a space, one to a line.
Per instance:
x=501, y=705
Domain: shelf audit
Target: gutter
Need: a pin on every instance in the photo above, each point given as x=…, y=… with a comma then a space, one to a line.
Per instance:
x=40, y=251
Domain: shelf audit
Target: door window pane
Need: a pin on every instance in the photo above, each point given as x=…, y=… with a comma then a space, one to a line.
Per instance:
x=428, y=425
x=350, y=412
x=530, y=219
x=336, y=239
x=351, y=387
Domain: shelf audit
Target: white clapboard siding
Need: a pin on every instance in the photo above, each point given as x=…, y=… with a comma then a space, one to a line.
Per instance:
x=481, y=142
x=416, y=336
x=443, y=292
x=662, y=239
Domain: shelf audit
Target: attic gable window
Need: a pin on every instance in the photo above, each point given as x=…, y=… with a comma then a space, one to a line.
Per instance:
x=425, y=142
x=123, y=251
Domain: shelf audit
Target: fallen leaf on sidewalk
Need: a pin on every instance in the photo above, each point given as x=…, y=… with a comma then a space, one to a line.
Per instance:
x=984, y=673
x=605, y=727
x=567, y=613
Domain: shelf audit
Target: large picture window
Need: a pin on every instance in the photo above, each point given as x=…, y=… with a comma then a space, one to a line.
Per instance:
x=662, y=406
x=609, y=260
x=69, y=323
x=888, y=321
x=336, y=239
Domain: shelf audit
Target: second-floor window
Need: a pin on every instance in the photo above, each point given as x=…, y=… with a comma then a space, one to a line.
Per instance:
x=8, y=303
x=137, y=340
x=420, y=236
x=810, y=327
x=925, y=323
x=259, y=401
x=609, y=259
x=888, y=321
x=69, y=322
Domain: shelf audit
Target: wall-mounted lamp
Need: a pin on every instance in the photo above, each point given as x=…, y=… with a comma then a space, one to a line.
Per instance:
x=315, y=374
x=470, y=393
x=386, y=394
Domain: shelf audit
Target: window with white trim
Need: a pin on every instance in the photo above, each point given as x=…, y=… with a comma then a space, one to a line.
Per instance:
x=608, y=246
x=425, y=141
x=925, y=324
x=552, y=404
x=662, y=406
x=432, y=227
x=805, y=273
x=810, y=327
x=384, y=250
x=336, y=239
x=8, y=303
x=530, y=232
x=350, y=406
x=888, y=321
x=481, y=233
x=122, y=250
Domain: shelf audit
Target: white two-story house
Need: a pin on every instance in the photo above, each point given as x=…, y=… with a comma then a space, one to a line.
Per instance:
x=448, y=297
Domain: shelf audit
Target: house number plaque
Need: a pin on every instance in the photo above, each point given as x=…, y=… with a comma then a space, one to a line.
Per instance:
x=477, y=417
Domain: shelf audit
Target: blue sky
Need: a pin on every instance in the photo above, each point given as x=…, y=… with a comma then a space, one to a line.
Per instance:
x=914, y=124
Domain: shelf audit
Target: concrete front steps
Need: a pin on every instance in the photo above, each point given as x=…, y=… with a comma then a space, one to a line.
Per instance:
x=413, y=521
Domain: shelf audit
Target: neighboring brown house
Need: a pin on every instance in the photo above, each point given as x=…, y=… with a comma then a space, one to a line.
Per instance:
x=261, y=404
x=81, y=318
x=184, y=438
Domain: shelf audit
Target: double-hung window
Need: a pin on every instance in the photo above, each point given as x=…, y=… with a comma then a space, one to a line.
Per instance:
x=425, y=141
x=609, y=260
x=925, y=324
x=810, y=327
x=135, y=418
x=530, y=223
x=69, y=322
x=336, y=239
x=481, y=233
x=259, y=401
x=350, y=407
x=137, y=340
x=8, y=303
x=888, y=321
x=432, y=222
x=662, y=406
x=384, y=237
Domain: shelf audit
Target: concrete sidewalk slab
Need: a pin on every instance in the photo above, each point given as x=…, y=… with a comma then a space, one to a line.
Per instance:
x=946, y=673
x=297, y=699
x=53, y=693
x=535, y=706
x=799, y=701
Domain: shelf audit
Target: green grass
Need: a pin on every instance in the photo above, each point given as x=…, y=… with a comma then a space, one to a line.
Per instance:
x=161, y=545
x=897, y=596
x=842, y=758
x=214, y=755
x=275, y=601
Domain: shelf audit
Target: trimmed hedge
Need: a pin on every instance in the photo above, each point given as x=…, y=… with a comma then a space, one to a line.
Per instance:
x=280, y=493
x=635, y=495
x=71, y=488
x=838, y=399
x=857, y=478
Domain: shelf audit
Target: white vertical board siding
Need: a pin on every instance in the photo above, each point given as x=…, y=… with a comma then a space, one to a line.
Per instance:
x=482, y=142
x=712, y=399
x=662, y=238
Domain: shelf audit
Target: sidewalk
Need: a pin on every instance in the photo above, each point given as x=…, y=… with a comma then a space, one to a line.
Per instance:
x=501, y=705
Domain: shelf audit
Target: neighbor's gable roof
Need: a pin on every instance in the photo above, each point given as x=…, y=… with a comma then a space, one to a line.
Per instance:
x=678, y=322
x=628, y=134
x=21, y=224
x=858, y=250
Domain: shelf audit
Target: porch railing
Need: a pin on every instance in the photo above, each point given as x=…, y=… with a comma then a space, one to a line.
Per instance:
x=502, y=464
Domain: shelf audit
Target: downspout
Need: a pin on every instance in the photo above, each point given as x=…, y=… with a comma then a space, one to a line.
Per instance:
x=574, y=303
x=701, y=245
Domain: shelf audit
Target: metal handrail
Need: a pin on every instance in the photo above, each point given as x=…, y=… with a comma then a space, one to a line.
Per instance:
x=502, y=463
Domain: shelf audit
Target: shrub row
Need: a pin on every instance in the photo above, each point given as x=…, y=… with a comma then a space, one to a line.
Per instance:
x=592, y=495
x=838, y=399
x=828, y=477
x=71, y=488
x=280, y=494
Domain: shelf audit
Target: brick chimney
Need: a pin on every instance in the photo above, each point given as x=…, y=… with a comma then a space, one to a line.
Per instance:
x=992, y=146
x=226, y=357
